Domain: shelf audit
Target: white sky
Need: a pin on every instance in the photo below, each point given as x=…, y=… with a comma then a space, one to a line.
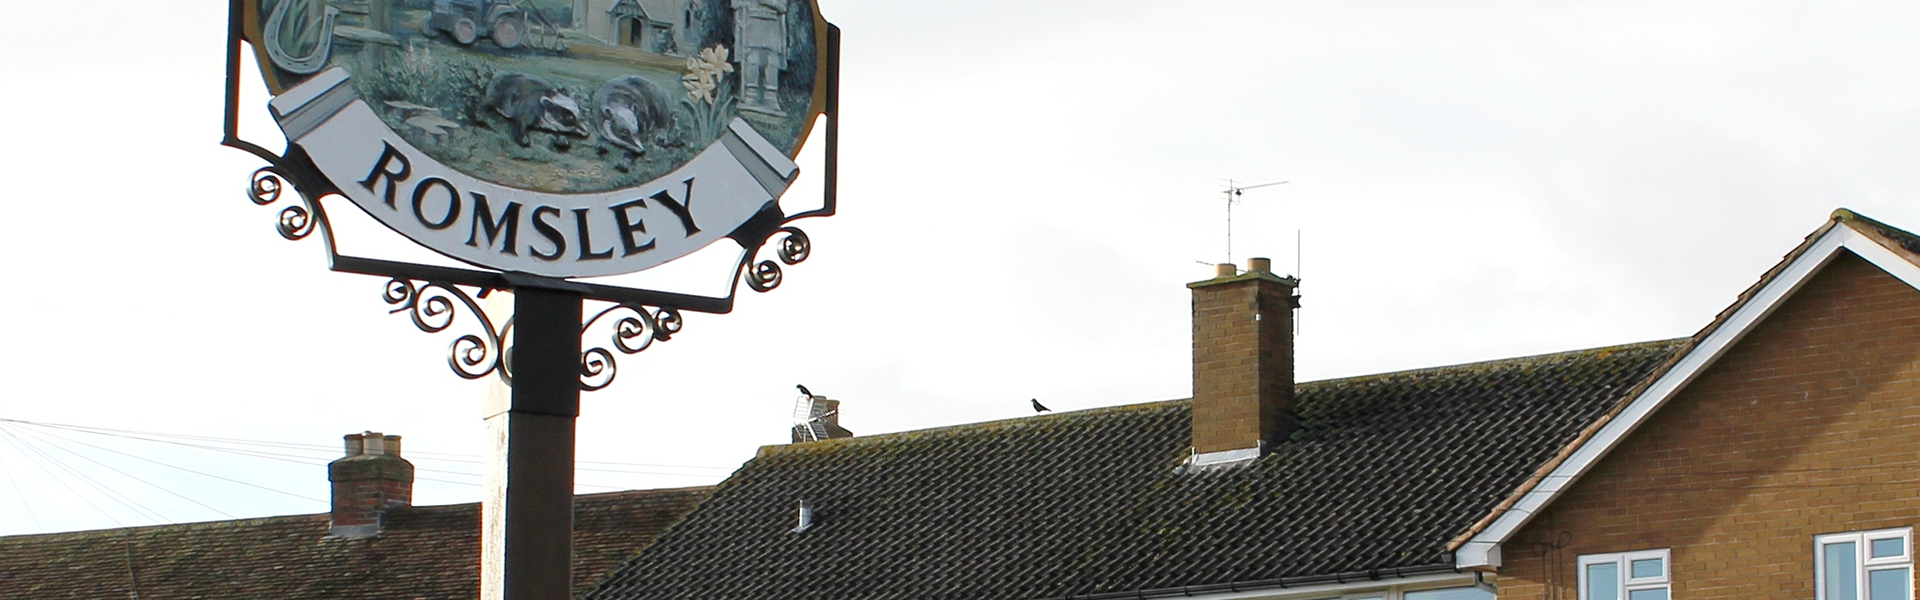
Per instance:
x=1026, y=187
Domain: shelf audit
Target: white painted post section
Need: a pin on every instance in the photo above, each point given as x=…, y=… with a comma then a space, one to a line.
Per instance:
x=526, y=506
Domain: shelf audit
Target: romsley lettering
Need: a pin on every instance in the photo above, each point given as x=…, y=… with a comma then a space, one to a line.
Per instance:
x=437, y=205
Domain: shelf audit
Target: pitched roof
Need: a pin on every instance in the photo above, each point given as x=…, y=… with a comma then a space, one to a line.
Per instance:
x=425, y=553
x=1891, y=249
x=1381, y=472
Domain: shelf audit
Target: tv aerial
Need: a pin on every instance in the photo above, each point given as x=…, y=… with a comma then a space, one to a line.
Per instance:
x=810, y=414
x=1233, y=192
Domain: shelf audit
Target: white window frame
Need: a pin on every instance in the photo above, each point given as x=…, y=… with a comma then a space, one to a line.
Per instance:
x=1629, y=583
x=1863, y=561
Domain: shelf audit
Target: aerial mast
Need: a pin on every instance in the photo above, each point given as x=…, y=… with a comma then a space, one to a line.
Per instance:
x=1233, y=197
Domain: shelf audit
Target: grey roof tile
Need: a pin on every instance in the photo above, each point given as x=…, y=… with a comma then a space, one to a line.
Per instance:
x=1380, y=473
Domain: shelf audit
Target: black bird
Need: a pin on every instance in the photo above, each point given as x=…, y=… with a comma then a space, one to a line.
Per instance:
x=803, y=390
x=1038, y=407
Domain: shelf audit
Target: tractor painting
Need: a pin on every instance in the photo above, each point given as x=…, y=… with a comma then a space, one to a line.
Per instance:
x=466, y=21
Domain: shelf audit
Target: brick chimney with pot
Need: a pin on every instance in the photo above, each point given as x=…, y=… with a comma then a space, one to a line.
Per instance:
x=1242, y=362
x=370, y=479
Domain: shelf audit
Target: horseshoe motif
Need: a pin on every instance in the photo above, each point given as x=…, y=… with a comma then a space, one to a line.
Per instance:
x=300, y=65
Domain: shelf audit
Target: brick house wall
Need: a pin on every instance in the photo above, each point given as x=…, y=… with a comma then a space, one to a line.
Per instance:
x=1809, y=425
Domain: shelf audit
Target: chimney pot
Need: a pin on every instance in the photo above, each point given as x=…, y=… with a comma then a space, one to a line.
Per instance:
x=1259, y=265
x=1225, y=270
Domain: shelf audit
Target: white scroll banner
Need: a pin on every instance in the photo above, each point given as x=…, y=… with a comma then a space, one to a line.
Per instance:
x=511, y=229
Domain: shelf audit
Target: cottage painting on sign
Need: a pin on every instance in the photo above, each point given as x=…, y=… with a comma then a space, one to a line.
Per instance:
x=562, y=138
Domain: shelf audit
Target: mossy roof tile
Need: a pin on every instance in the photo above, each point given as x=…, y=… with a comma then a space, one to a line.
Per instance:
x=1380, y=473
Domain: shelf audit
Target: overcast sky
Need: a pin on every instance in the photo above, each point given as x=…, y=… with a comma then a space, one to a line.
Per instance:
x=1025, y=188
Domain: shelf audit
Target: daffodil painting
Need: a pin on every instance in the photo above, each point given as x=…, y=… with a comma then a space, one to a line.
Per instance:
x=559, y=96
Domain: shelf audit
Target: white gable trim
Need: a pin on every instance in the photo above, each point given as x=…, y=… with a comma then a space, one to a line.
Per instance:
x=1484, y=549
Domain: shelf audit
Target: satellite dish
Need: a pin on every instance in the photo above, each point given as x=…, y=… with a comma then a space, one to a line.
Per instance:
x=810, y=414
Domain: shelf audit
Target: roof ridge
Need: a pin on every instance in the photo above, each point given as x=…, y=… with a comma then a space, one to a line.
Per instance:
x=189, y=526
x=1029, y=420
x=1902, y=240
x=1516, y=360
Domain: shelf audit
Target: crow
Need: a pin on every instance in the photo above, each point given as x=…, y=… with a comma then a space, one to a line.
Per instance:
x=803, y=391
x=1039, y=408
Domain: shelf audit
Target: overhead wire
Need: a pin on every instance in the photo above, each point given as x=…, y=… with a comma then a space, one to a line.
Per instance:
x=28, y=437
x=128, y=475
x=21, y=493
x=19, y=446
x=210, y=475
x=112, y=494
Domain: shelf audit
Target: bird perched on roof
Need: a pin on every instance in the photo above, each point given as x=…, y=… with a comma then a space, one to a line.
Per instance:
x=1038, y=407
x=804, y=391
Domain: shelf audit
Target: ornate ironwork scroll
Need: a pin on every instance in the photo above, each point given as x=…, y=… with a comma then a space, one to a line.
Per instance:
x=793, y=247
x=435, y=306
x=632, y=328
x=297, y=220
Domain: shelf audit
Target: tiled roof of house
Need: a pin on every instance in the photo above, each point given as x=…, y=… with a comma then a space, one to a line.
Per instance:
x=424, y=553
x=1380, y=473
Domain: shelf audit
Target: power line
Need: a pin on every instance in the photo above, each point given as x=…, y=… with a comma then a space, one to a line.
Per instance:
x=21, y=493
x=226, y=479
x=130, y=475
x=90, y=481
x=56, y=479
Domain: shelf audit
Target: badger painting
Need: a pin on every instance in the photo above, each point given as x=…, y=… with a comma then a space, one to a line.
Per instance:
x=634, y=113
x=529, y=103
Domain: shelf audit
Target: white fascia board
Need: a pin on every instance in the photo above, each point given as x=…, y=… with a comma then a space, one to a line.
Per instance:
x=1484, y=549
x=1331, y=590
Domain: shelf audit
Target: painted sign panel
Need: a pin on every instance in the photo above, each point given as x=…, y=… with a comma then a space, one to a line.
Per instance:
x=555, y=137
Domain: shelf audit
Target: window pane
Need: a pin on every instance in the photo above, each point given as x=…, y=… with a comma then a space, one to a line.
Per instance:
x=1887, y=584
x=1603, y=581
x=1654, y=594
x=1646, y=567
x=1840, y=573
x=1465, y=593
x=1889, y=547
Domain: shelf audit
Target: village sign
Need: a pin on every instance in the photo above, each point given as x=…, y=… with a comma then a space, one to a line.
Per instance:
x=561, y=138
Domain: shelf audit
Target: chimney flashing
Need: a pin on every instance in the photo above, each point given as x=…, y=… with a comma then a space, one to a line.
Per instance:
x=1226, y=457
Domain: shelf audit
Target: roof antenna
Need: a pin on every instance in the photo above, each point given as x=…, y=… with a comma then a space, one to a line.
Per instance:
x=1233, y=197
x=809, y=417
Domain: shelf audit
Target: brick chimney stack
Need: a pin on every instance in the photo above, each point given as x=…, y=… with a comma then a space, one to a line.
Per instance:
x=1242, y=361
x=370, y=479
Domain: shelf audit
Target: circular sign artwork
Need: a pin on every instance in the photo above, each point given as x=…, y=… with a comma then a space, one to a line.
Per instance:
x=562, y=138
